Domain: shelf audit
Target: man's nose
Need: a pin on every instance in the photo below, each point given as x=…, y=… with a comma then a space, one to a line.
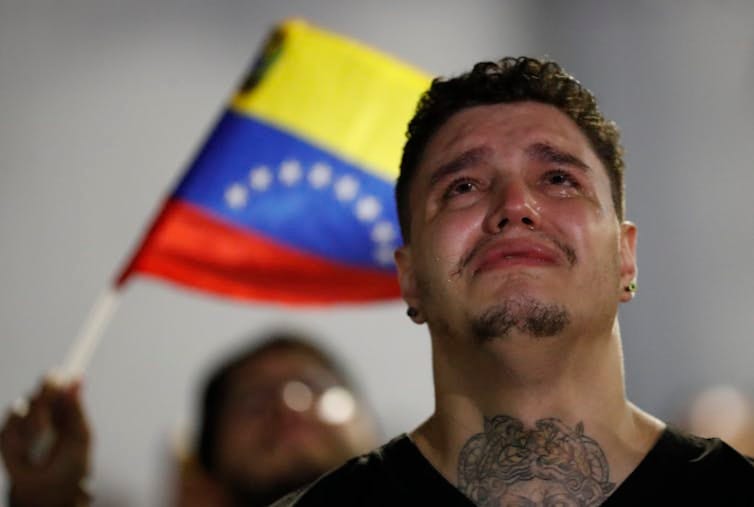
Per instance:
x=513, y=204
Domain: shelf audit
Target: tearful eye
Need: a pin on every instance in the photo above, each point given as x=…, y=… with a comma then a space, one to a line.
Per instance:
x=561, y=179
x=459, y=187
x=463, y=187
x=558, y=179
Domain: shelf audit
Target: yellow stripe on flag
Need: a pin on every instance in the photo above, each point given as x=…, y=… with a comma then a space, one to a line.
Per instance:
x=335, y=93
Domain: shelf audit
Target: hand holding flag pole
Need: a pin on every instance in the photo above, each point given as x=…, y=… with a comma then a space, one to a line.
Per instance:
x=56, y=387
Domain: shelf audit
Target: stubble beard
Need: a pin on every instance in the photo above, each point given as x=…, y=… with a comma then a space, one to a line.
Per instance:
x=526, y=315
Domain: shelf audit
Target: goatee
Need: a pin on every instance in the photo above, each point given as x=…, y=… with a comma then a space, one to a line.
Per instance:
x=527, y=315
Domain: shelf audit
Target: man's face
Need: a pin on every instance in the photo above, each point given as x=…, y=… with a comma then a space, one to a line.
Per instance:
x=272, y=432
x=513, y=229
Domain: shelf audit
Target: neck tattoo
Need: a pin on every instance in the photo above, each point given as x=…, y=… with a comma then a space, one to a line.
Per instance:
x=550, y=464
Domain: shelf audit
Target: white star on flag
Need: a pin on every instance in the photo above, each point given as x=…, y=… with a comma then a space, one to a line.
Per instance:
x=384, y=255
x=260, y=178
x=236, y=196
x=346, y=188
x=290, y=172
x=320, y=175
x=383, y=232
x=367, y=208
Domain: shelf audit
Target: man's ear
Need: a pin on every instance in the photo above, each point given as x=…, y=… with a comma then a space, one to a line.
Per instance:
x=407, y=281
x=628, y=267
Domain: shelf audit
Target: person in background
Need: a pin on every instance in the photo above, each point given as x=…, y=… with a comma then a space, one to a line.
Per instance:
x=272, y=418
x=722, y=411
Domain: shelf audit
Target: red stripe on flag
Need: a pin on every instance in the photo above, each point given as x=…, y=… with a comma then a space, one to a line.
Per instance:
x=190, y=247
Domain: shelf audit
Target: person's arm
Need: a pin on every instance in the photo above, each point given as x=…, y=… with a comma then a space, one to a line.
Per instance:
x=51, y=477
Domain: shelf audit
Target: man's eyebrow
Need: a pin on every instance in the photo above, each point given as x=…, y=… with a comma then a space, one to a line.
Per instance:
x=547, y=153
x=462, y=161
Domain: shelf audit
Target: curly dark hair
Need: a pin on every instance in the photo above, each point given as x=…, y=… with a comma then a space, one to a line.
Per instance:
x=505, y=81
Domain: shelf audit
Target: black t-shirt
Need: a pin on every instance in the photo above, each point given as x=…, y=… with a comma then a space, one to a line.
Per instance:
x=680, y=469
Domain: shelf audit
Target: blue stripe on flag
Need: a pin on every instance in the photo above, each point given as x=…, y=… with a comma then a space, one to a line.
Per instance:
x=260, y=178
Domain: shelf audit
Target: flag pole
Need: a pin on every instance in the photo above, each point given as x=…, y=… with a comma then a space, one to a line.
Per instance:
x=79, y=353
x=89, y=336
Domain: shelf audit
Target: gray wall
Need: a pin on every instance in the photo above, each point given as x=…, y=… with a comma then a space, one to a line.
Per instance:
x=102, y=104
x=678, y=77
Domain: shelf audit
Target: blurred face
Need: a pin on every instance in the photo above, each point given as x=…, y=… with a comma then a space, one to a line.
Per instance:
x=286, y=421
x=513, y=229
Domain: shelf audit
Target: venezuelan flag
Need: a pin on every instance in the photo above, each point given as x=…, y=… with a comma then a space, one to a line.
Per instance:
x=291, y=197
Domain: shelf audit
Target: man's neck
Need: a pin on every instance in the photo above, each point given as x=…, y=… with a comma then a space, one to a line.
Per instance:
x=520, y=392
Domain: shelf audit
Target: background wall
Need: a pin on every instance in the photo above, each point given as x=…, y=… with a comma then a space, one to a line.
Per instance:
x=103, y=103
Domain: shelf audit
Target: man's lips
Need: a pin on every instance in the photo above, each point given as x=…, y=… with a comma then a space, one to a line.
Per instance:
x=514, y=252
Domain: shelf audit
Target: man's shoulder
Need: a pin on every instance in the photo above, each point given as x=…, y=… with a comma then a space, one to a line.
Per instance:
x=702, y=456
x=364, y=480
x=687, y=468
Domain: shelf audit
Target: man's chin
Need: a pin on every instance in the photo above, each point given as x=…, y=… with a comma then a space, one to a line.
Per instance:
x=522, y=315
